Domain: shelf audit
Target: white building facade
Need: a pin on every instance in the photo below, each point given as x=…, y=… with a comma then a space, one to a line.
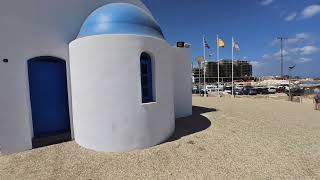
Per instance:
x=59, y=75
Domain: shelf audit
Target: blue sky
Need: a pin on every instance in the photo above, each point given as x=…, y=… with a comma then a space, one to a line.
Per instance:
x=255, y=24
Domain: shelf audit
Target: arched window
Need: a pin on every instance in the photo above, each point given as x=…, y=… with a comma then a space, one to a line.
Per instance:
x=146, y=78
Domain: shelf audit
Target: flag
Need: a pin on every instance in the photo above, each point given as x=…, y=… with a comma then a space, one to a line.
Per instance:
x=236, y=46
x=206, y=43
x=220, y=43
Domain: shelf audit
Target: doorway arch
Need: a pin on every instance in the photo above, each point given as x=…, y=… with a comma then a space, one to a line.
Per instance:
x=49, y=98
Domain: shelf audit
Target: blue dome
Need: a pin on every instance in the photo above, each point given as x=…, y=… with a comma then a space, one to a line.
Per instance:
x=120, y=18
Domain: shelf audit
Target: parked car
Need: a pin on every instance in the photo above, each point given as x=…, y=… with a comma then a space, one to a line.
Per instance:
x=295, y=91
x=211, y=88
x=240, y=85
x=238, y=91
x=272, y=90
x=228, y=89
x=203, y=91
x=195, y=90
x=262, y=90
x=281, y=89
x=219, y=87
x=253, y=92
x=249, y=90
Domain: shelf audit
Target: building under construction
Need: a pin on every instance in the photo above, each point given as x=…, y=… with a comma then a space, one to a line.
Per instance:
x=242, y=71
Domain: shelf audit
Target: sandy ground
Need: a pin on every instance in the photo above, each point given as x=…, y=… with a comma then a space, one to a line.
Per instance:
x=226, y=138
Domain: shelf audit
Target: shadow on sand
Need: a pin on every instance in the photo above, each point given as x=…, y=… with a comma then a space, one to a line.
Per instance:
x=192, y=124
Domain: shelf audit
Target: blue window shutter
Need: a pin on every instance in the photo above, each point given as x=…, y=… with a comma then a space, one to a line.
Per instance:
x=146, y=78
x=150, y=89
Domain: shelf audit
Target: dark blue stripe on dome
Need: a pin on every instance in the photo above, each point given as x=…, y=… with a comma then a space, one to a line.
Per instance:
x=120, y=18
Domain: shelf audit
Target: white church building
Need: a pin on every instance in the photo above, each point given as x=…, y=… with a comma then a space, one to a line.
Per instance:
x=99, y=72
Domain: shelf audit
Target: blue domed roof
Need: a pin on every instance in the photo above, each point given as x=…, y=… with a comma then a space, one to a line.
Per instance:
x=120, y=18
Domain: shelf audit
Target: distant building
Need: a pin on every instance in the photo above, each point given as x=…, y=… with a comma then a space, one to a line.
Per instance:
x=242, y=71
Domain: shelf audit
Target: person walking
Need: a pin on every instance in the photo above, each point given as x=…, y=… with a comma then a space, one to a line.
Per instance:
x=317, y=99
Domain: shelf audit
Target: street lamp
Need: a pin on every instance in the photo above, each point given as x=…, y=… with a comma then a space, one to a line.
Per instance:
x=200, y=60
x=290, y=69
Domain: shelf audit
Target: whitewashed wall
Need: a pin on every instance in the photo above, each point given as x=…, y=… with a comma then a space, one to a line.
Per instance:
x=182, y=82
x=31, y=28
x=106, y=90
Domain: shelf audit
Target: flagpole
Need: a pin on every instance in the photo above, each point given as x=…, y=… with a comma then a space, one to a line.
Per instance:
x=204, y=67
x=218, y=65
x=232, y=67
x=199, y=79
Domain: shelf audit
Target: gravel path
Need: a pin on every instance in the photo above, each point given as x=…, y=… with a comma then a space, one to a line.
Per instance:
x=224, y=139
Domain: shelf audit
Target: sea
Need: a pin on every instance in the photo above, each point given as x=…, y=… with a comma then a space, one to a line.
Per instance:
x=311, y=83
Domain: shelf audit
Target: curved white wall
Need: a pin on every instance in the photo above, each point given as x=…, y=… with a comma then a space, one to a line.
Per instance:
x=108, y=113
x=31, y=28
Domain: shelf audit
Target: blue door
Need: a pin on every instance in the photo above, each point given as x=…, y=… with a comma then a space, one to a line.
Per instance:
x=49, y=96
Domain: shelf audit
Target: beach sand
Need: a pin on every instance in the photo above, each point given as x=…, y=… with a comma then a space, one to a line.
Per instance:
x=226, y=138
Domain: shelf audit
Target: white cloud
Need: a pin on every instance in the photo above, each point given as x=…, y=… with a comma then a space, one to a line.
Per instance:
x=298, y=38
x=256, y=64
x=295, y=50
x=307, y=50
x=291, y=16
x=266, y=56
x=292, y=40
x=266, y=2
x=303, y=60
x=278, y=54
x=292, y=53
x=303, y=36
x=300, y=49
x=310, y=11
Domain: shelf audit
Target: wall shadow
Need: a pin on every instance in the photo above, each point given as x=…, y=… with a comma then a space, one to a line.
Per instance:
x=192, y=124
